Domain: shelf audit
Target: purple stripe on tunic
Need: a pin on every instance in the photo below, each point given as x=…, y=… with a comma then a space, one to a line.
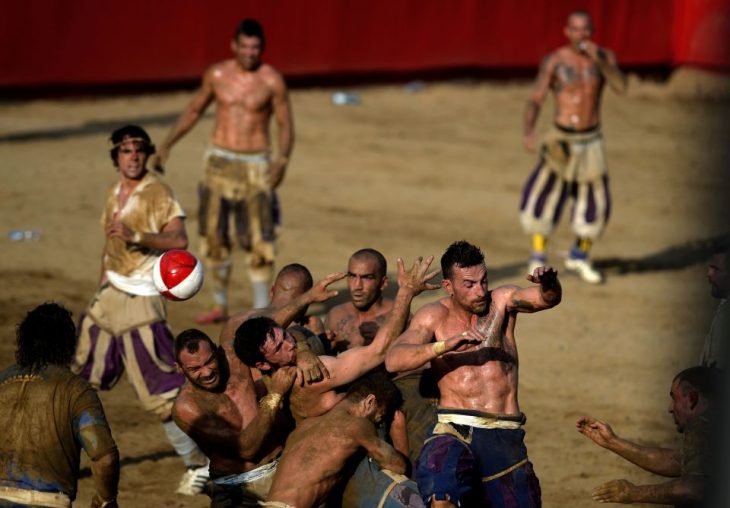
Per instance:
x=607, y=197
x=113, y=363
x=590, y=215
x=561, y=202
x=540, y=204
x=222, y=226
x=157, y=381
x=528, y=186
x=93, y=337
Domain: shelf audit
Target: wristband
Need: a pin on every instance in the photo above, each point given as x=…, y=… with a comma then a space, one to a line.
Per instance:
x=137, y=237
x=439, y=347
x=271, y=401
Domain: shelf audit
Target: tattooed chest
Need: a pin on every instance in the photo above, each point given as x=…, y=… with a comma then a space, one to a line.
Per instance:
x=571, y=76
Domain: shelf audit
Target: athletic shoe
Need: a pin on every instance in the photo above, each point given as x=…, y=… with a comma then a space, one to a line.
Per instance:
x=584, y=269
x=193, y=481
x=215, y=315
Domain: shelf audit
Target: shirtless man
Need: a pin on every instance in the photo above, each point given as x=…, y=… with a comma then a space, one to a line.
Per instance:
x=475, y=453
x=355, y=323
x=218, y=408
x=318, y=450
x=572, y=161
x=261, y=343
x=291, y=282
x=239, y=176
x=693, y=403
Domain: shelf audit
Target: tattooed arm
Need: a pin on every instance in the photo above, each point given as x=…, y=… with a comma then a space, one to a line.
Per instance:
x=532, y=299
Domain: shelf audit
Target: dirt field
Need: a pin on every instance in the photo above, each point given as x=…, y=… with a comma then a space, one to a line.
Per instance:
x=408, y=173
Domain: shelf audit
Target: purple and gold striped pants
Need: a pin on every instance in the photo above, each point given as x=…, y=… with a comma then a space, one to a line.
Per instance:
x=572, y=167
x=119, y=332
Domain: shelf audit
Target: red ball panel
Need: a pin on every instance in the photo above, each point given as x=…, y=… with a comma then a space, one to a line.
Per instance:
x=175, y=265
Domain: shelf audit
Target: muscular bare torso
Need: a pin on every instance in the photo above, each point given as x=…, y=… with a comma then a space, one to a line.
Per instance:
x=314, y=457
x=482, y=377
x=243, y=106
x=217, y=418
x=577, y=85
x=351, y=327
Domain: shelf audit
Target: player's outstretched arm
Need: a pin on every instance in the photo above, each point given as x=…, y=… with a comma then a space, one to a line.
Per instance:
x=680, y=491
x=546, y=295
x=356, y=361
x=662, y=461
x=318, y=293
x=414, y=348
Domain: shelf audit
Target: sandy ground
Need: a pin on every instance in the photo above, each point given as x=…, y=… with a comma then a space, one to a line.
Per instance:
x=408, y=173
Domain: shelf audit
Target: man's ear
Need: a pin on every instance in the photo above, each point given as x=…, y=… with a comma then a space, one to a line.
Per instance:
x=263, y=366
x=384, y=282
x=371, y=402
x=179, y=369
x=233, y=46
x=446, y=284
x=694, y=398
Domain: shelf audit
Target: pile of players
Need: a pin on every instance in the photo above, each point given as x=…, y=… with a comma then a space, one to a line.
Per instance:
x=373, y=407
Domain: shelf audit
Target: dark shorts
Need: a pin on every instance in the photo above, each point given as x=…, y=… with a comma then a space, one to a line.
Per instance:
x=472, y=466
x=371, y=486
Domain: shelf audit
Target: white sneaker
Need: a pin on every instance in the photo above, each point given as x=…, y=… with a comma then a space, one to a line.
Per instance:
x=584, y=269
x=193, y=481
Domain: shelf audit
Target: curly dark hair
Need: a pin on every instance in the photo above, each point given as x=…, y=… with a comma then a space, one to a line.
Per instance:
x=461, y=254
x=131, y=132
x=47, y=336
x=378, y=383
x=250, y=336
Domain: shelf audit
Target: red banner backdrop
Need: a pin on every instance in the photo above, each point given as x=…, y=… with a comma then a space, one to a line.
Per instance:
x=47, y=42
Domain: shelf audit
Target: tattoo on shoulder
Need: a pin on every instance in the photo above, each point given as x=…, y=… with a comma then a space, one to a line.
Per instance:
x=522, y=304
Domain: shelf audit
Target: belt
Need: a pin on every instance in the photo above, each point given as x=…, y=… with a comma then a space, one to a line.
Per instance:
x=248, y=476
x=481, y=422
x=240, y=157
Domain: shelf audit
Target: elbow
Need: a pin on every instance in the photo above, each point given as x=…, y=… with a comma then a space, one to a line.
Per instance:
x=390, y=364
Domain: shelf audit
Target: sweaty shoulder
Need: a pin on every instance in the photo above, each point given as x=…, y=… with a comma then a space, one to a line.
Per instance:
x=271, y=76
x=435, y=311
x=219, y=69
x=185, y=409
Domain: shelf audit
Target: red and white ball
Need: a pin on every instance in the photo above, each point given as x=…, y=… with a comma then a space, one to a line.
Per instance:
x=178, y=275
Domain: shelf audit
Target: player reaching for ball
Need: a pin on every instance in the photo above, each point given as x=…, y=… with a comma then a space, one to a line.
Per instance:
x=124, y=325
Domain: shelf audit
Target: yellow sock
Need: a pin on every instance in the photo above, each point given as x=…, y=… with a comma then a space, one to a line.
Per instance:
x=539, y=242
x=584, y=244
